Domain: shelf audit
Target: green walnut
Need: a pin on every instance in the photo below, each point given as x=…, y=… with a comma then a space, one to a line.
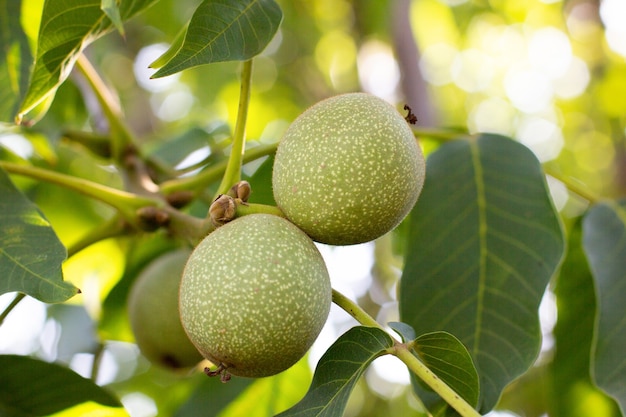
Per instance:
x=254, y=296
x=348, y=169
x=153, y=313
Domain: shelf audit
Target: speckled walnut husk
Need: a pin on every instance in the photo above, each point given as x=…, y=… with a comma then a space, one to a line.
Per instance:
x=254, y=295
x=348, y=169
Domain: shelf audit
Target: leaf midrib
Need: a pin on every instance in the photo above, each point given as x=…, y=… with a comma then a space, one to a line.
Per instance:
x=482, y=242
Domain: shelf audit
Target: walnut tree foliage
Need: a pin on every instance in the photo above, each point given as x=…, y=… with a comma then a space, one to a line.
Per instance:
x=106, y=186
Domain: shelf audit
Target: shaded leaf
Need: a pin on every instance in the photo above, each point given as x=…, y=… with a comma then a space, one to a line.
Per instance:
x=30, y=387
x=31, y=254
x=68, y=27
x=15, y=60
x=604, y=242
x=261, y=183
x=224, y=30
x=571, y=386
x=338, y=371
x=484, y=242
x=404, y=330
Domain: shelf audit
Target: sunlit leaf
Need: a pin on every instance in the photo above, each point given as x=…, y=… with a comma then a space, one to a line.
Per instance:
x=15, y=60
x=338, y=371
x=30, y=387
x=484, y=242
x=604, y=242
x=91, y=409
x=111, y=9
x=224, y=30
x=267, y=397
x=67, y=27
x=30, y=251
x=212, y=396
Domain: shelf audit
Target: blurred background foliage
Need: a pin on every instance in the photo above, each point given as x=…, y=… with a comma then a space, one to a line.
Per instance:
x=549, y=73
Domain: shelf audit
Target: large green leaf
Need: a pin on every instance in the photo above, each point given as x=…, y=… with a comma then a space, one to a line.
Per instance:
x=15, y=60
x=31, y=254
x=484, y=242
x=338, y=371
x=30, y=387
x=572, y=387
x=67, y=27
x=225, y=30
x=604, y=242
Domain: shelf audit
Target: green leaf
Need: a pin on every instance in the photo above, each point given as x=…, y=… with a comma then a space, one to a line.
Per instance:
x=572, y=389
x=111, y=9
x=15, y=60
x=484, y=242
x=172, y=50
x=450, y=360
x=338, y=371
x=269, y=396
x=261, y=183
x=404, y=330
x=30, y=387
x=212, y=396
x=31, y=254
x=68, y=27
x=224, y=30
x=604, y=242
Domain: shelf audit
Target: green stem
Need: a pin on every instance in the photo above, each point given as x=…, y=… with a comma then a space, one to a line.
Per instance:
x=188, y=227
x=97, y=360
x=253, y=208
x=210, y=175
x=19, y=297
x=111, y=228
x=354, y=310
x=572, y=185
x=127, y=203
x=404, y=353
x=120, y=134
x=233, y=169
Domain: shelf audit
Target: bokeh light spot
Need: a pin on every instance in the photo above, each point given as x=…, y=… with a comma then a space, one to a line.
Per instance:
x=378, y=70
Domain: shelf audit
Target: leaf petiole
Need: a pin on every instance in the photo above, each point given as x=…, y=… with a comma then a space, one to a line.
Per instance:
x=121, y=137
x=233, y=169
x=403, y=352
x=254, y=208
x=126, y=203
x=19, y=297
